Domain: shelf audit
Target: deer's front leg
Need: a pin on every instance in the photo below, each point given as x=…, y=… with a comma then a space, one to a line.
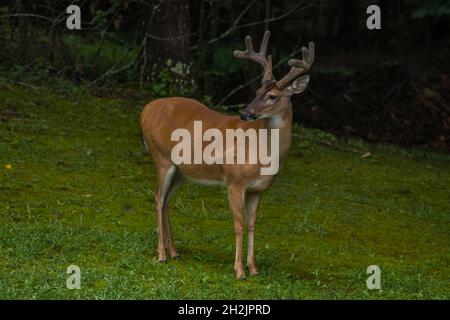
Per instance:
x=252, y=202
x=236, y=201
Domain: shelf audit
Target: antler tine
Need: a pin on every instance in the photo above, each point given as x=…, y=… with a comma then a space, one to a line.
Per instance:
x=249, y=44
x=312, y=53
x=260, y=57
x=299, y=67
x=264, y=43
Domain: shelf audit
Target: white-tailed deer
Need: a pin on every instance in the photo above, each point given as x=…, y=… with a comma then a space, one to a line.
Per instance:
x=270, y=109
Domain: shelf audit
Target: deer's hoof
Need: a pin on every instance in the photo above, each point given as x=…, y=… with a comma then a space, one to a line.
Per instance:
x=240, y=275
x=253, y=271
x=162, y=260
x=176, y=257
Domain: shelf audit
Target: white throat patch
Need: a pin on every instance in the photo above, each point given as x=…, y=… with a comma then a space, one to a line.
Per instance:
x=276, y=122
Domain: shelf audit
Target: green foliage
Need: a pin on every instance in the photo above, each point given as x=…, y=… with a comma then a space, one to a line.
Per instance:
x=99, y=57
x=224, y=63
x=40, y=76
x=174, y=79
x=339, y=71
x=100, y=21
x=436, y=8
x=102, y=18
x=208, y=101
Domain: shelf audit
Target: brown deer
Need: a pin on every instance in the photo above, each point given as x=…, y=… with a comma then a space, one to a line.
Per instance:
x=271, y=110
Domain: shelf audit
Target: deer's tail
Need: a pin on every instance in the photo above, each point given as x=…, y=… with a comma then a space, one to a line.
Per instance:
x=144, y=144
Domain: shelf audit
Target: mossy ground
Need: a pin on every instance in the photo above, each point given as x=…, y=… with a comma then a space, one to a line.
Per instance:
x=80, y=191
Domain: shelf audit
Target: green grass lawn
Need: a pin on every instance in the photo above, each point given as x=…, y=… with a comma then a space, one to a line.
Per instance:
x=80, y=191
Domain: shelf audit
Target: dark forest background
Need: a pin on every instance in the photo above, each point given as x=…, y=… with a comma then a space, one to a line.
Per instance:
x=390, y=85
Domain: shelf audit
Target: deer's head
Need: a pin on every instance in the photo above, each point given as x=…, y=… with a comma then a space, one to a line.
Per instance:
x=273, y=97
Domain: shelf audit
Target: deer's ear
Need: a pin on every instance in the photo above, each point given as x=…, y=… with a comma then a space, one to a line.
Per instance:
x=299, y=85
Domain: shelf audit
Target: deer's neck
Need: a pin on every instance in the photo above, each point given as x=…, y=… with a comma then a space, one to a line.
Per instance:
x=283, y=122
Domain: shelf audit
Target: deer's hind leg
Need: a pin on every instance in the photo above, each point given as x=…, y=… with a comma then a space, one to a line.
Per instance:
x=177, y=181
x=165, y=179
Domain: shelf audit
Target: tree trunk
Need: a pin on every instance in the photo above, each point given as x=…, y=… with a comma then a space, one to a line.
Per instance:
x=350, y=17
x=201, y=54
x=168, y=33
x=22, y=31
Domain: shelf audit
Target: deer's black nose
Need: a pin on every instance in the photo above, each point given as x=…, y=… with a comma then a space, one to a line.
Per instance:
x=247, y=116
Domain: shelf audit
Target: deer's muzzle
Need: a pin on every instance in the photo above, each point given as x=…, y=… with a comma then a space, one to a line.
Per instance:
x=247, y=116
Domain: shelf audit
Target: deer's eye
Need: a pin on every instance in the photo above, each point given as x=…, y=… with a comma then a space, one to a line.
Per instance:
x=272, y=97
